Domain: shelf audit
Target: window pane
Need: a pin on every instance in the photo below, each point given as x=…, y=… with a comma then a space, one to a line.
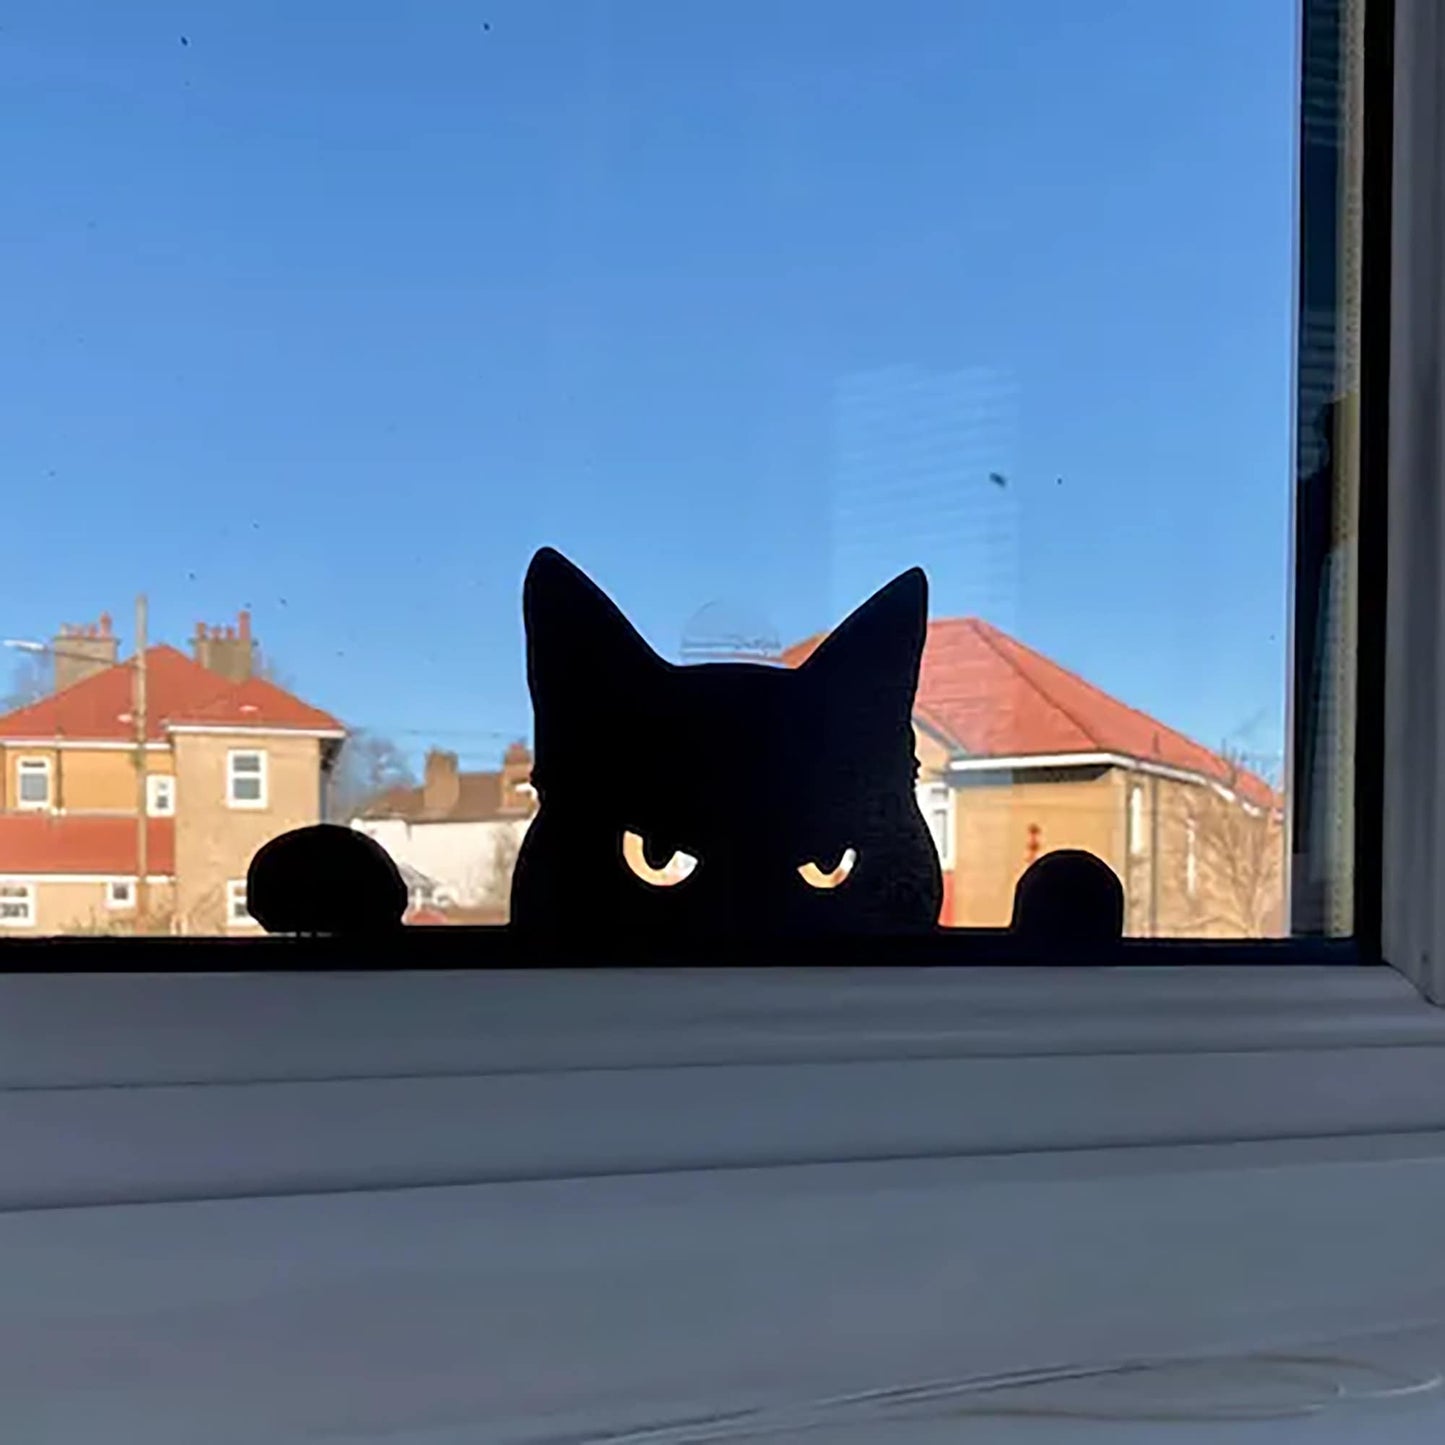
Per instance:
x=746, y=307
x=34, y=786
x=1333, y=514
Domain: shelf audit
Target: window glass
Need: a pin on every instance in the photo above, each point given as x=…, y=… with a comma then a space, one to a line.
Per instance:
x=746, y=307
x=34, y=782
x=247, y=781
x=237, y=912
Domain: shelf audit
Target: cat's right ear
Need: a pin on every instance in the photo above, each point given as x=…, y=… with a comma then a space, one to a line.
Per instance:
x=583, y=656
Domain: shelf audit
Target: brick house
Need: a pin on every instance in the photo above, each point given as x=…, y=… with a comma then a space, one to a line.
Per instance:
x=1019, y=756
x=461, y=829
x=230, y=761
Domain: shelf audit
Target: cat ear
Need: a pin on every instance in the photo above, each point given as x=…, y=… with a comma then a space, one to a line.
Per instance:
x=584, y=658
x=867, y=667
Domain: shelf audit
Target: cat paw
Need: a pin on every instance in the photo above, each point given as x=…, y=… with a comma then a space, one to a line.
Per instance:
x=325, y=879
x=1067, y=901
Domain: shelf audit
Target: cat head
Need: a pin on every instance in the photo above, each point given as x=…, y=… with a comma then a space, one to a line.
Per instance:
x=722, y=798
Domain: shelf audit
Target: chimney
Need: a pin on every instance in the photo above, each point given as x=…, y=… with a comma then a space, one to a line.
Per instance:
x=517, y=794
x=81, y=652
x=442, y=785
x=228, y=650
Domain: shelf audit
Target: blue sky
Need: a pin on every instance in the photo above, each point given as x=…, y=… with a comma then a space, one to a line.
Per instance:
x=339, y=309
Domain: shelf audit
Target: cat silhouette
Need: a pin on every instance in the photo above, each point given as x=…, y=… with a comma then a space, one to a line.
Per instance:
x=701, y=803
x=1068, y=903
x=721, y=799
x=325, y=879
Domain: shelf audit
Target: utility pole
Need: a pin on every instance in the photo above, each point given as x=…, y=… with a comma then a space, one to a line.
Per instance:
x=138, y=712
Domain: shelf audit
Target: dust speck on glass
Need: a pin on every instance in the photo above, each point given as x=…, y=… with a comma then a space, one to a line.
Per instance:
x=888, y=410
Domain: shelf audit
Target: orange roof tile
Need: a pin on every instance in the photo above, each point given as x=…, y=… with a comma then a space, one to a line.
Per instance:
x=988, y=695
x=81, y=843
x=255, y=703
x=178, y=691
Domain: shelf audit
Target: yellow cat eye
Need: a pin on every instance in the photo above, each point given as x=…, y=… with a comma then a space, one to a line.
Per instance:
x=814, y=876
x=673, y=872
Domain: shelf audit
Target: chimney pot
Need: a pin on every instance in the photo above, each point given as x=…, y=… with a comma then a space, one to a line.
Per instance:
x=82, y=650
x=219, y=649
x=105, y=624
x=244, y=618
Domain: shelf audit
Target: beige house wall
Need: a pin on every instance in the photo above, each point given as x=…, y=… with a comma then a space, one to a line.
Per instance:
x=67, y=906
x=215, y=841
x=82, y=780
x=1232, y=888
x=1235, y=886
x=992, y=840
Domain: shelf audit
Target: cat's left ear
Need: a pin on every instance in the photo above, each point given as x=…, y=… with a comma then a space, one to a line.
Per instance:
x=868, y=665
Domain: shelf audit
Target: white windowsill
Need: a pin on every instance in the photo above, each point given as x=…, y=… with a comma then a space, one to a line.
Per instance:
x=708, y=1191
x=156, y=1087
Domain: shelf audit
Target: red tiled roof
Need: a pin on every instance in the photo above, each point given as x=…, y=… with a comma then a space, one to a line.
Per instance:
x=480, y=799
x=178, y=691
x=81, y=843
x=256, y=703
x=988, y=695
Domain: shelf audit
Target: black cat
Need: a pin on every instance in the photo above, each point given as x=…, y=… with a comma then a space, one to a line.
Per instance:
x=726, y=798
x=702, y=804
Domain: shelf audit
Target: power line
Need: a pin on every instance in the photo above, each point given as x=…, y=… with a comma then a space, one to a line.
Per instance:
x=437, y=732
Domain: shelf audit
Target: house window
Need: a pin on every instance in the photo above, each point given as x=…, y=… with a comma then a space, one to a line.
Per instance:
x=120, y=893
x=936, y=802
x=1191, y=857
x=33, y=783
x=161, y=795
x=17, y=905
x=238, y=915
x=246, y=779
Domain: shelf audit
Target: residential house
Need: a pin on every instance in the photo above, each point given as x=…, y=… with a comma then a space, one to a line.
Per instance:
x=461, y=830
x=1019, y=756
x=229, y=760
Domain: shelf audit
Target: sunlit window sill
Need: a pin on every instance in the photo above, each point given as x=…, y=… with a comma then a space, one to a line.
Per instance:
x=537, y=1205
x=170, y=1087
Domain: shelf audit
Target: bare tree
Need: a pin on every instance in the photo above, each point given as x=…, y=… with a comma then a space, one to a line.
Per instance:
x=29, y=682
x=265, y=667
x=505, y=847
x=1239, y=841
x=370, y=764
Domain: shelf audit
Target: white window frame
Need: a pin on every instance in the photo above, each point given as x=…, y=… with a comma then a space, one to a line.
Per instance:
x=1191, y=856
x=1286, y=1084
x=261, y=773
x=237, y=914
x=156, y=784
x=929, y=795
x=34, y=767
x=125, y=903
x=1412, y=921
x=26, y=890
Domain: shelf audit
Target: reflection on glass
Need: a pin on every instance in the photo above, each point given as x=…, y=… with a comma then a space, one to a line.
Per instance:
x=322, y=319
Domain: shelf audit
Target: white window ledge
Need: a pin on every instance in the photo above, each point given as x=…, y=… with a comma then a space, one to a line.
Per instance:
x=180, y=1087
x=667, y=1196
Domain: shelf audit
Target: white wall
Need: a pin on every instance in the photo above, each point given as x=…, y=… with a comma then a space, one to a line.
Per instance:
x=461, y=857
